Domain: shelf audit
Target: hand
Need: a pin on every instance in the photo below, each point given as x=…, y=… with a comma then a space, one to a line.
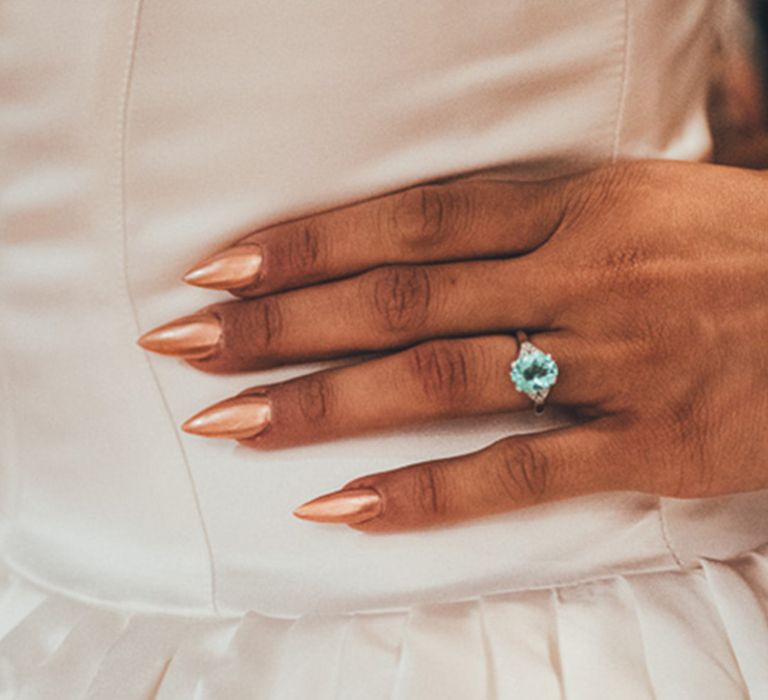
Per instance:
x=646, y=281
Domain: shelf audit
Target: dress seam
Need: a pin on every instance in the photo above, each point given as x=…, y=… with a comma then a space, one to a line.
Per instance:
x=31, y=579
x=644, y=643
x=664, y=526
x=491, y=689
x=10, y=468
x=51, y=589
x=122, y=147
x=554, y=646
x=619, y=119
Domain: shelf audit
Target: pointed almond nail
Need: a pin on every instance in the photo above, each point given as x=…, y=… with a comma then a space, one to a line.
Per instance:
x=350, y=506
x=190, y=337
x=236, y=418
x=231, y=269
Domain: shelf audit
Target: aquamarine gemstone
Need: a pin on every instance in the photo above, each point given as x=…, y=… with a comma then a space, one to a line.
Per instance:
x=534, y=371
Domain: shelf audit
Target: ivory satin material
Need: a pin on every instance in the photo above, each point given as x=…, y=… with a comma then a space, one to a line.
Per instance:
x=138, y=561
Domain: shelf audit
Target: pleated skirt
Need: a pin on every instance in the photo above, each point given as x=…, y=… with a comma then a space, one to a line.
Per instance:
x=699, y=633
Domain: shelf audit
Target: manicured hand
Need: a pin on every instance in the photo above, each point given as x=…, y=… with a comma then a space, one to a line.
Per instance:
x=647, y=282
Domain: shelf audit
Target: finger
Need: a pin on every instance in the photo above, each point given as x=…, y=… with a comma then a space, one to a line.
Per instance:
x=434, y=380
x=386, y=308
x=433, y=223
x=513, y=473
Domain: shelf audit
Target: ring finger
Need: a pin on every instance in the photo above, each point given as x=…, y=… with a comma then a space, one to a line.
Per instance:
x=434, y=380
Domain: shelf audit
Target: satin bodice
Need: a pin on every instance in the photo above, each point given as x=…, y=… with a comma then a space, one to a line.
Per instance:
x=138, y=137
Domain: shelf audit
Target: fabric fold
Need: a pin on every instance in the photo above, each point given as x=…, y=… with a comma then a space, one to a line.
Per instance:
x=443, y=651
x=136, y=663
x=687, y=649
x=740, y=592
x=525, y=664
x=35, y=638
x=70, y=669
x=694, y=634
x=600, y=641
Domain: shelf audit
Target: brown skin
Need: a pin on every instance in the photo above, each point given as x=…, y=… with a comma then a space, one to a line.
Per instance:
x=647, y=281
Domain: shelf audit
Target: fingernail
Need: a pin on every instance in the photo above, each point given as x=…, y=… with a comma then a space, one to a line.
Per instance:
x=236, y=418
x=191, y=337
x=350, y=506
x=231, y=269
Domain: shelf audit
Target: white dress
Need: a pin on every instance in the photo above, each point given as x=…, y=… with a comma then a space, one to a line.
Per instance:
x=141, y=562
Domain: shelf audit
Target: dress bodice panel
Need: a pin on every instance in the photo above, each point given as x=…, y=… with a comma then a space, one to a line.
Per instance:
x=139, y=137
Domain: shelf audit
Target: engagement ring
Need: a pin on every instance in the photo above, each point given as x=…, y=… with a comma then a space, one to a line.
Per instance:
x=533, y=372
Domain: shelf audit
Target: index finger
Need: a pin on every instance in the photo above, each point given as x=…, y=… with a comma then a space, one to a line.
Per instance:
x=431, y=223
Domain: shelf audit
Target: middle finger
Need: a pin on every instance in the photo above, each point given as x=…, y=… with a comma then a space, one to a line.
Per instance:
x=385, y=308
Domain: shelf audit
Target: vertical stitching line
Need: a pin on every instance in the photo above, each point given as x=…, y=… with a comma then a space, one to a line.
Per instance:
x=622, y=89
x=709, y=567
x=9, y=453
x=665, y=532
x=642, y=633
x=403, y=648
x=554, y=641
x=122, y=131
x=338, y=670
x=491, y=682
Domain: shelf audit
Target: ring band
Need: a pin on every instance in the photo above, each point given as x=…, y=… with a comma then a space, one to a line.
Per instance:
x=533, y=372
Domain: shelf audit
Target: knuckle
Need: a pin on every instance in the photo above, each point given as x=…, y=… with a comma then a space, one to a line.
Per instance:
x=631, y=272
x=688, y=423
x=522, y=471
x=306, y=249
x=430, y=490
x=588, y=195
x=610, y=388
x=399, y=297
x=650, y=337
x=258, y=332
x=619, y=263
x=424, y=217
x=626, y=259
x=622, y=273
x=315, y=398
x=442, y=370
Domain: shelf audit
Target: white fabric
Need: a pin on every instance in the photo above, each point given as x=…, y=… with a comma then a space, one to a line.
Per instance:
x=138, y=137
x=670, y=636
